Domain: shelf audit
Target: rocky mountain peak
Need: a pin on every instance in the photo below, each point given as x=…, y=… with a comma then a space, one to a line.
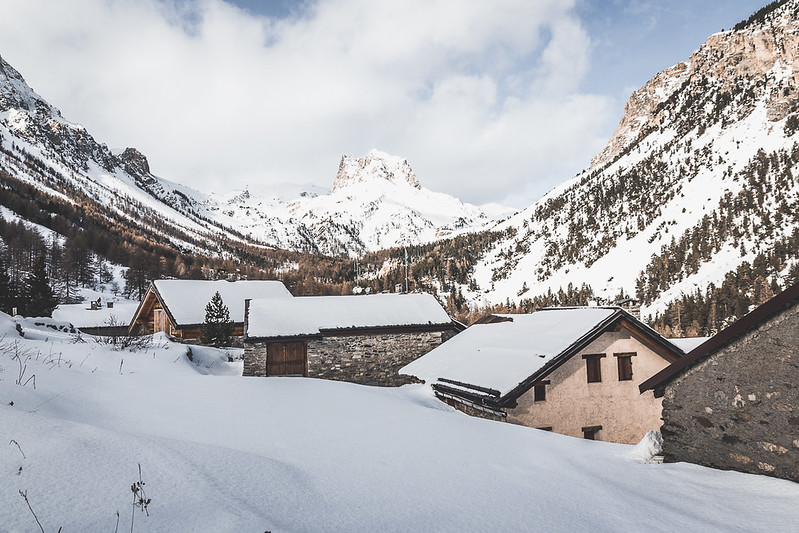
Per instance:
x=757, y=61
x=376, y=165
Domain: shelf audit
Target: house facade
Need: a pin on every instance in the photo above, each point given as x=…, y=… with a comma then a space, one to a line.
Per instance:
x=733, y=402
x=574, y=371
x=177, y=307
x=362, y=339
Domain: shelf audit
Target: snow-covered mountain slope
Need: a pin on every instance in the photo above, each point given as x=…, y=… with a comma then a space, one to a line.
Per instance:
x=376, y=201
x=700, y=176
x=44, y=150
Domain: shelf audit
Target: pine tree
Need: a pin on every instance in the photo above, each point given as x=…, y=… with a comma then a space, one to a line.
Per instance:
x=39, y=299
x=217, y=330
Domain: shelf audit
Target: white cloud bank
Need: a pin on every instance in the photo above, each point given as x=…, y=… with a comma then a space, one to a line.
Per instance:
x=482, y=98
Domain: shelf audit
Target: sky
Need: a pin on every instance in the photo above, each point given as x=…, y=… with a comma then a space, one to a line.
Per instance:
x=488, y=101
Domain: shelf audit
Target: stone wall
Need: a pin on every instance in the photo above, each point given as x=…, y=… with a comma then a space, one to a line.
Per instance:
x=739, y=408
x=369, y=359
x=254, y=359
x=366, y=359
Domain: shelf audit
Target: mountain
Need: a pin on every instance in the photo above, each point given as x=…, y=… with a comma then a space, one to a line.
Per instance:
x=376, y=202
x=697, y=188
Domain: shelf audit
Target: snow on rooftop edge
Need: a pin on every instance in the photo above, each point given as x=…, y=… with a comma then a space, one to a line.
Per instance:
x=503, y=354
x=307, y=315
x=186, y=299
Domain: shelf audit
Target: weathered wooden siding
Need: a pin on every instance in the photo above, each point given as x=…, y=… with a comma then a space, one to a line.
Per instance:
x=739, y=408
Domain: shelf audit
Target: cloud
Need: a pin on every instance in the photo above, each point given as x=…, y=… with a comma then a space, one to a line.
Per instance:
x=482, y=98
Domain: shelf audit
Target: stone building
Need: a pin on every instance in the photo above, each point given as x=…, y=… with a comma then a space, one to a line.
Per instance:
x=733, y=402
x=571, y=370
x=361, y=339
x=177, y=306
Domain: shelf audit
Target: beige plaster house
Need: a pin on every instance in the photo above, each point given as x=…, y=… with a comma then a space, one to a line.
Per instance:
x=574, y=371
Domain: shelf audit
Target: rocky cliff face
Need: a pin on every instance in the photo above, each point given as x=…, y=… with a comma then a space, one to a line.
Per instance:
x=376, y=165
x=739, y=67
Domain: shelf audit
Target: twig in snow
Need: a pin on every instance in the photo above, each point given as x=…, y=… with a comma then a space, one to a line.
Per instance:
x=25, y=497
x=12, y=441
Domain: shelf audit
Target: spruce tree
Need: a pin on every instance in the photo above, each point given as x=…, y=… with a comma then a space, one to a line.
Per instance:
x=217, y=330
x=39, y=299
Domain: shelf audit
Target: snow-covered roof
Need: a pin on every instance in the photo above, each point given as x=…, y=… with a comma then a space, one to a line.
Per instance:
x=186, y=299
x=503, y=354
x=686, y=344
x=83, y=316
x=309, y=315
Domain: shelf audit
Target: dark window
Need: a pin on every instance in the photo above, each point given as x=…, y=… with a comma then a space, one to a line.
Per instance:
x=625, y=362
x=545, y=428
x=591, y=432
x=593, y=367
x=540, y=391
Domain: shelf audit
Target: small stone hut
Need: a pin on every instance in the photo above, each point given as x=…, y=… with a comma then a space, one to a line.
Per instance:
x=362, y=339
x=733, y=402
x=571, y=370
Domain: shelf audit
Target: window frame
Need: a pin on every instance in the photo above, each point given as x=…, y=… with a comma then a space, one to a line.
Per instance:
x=591, y=432
x=626, y=359
x=540, y=387
x=593, y=361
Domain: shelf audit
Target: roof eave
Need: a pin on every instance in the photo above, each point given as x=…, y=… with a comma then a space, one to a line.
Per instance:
x=740, y=327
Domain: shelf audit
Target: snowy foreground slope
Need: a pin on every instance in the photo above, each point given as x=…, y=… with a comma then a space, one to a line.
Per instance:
x=219, y=452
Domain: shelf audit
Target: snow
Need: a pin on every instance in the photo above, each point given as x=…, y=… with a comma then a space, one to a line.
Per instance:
x=83, y=316
x=649, y=448
x=686, y=344
x=502, y=355
x=308, y=315
x=219, y=452
x=186, y=299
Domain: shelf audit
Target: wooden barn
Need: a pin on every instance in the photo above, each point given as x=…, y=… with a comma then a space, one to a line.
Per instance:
x=363, y=339
x=733, y=401
x=177, y=307
x=571, y=370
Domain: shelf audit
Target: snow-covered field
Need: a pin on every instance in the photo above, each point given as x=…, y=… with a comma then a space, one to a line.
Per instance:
x=219, y=452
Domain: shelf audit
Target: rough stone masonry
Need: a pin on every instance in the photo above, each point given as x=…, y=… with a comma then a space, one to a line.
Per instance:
x=739, y=408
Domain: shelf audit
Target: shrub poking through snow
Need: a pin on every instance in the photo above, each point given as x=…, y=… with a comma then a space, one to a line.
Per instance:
x=217, y=330
x=140, y=499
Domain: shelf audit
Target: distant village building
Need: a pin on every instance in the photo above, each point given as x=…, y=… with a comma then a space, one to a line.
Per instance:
x=631, y=305
x=109, y=317
x=177, y=307
x=733, y=402
x=362, y=339
x=571, y=370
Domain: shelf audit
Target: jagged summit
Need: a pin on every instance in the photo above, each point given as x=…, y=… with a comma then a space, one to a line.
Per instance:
x=376, y=165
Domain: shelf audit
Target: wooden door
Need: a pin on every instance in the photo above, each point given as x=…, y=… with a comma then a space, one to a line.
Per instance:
x=287, y=359
x=159, y=319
